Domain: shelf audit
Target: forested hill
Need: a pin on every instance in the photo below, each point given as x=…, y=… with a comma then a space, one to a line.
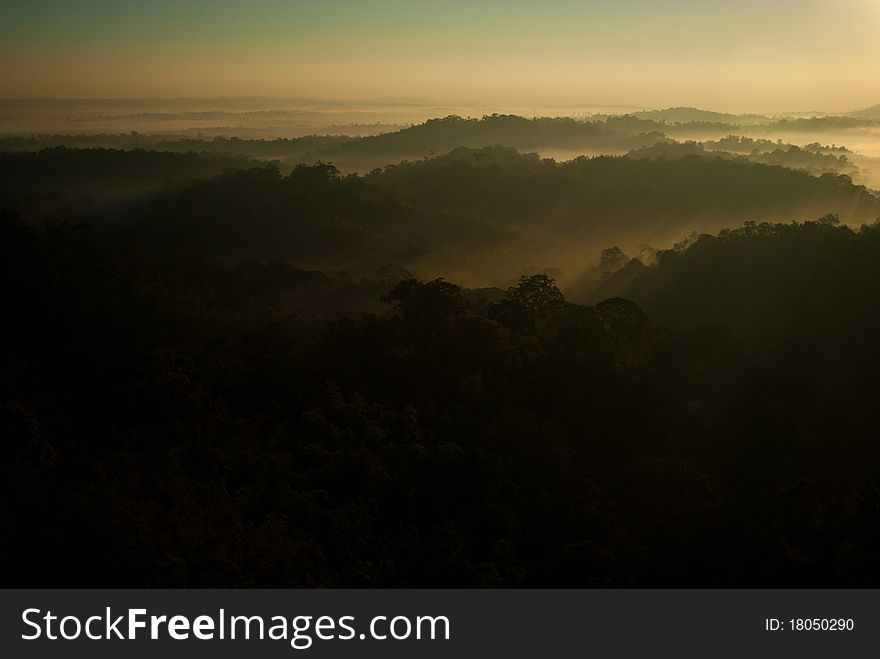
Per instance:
x=444, y=134
x=627, y=191
x=798, y=282
x=690, y=114
x=479, y=216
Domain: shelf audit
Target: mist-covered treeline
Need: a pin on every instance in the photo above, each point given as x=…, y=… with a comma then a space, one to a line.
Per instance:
x=797, y=142
x=75, y=183
x=480, y=216
x=816, y=161
x=279, y=148
x=612, y=134
x=598, y=134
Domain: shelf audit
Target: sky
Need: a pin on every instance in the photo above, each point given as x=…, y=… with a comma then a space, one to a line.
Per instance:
x=743, y=56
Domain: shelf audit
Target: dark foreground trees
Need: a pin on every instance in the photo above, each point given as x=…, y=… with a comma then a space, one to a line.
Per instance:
x=176, y=422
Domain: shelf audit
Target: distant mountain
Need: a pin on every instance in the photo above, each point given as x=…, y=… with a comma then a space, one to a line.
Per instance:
x=688, y=114
x=609, y=135
x=872, y=112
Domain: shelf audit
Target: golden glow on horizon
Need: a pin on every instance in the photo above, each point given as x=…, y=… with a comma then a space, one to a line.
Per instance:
x=747, y=56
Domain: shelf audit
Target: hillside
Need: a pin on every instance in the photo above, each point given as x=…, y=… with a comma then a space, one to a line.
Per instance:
x=479, y=215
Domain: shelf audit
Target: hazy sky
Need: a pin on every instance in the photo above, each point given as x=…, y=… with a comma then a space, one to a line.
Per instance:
x=744, y=55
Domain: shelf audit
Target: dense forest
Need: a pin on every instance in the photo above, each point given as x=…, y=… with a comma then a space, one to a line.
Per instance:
x=485, y=368
x=477, y=216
